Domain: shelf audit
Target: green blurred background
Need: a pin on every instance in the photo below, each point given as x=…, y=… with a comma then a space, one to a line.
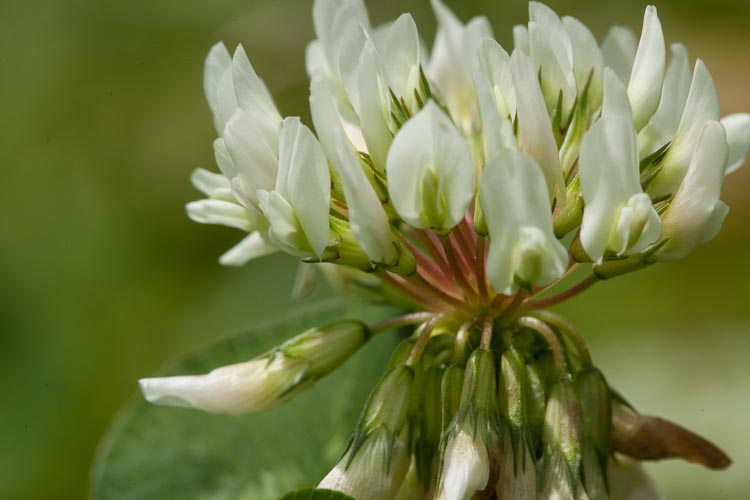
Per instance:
x=103, y=279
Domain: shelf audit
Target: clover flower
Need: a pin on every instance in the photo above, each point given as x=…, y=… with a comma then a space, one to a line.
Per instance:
x=469, y=182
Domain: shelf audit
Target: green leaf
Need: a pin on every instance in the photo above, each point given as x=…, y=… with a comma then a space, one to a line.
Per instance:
x=177, y=453
x=313, y=494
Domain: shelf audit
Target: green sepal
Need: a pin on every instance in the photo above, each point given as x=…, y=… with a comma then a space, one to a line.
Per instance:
x=450, y=390
x=630, y=264
x=480, y=222
x=430, y=424
x=562, y=429
x=570, y=217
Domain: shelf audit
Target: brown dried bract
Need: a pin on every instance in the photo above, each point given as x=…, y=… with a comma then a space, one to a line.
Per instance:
x=651, y=438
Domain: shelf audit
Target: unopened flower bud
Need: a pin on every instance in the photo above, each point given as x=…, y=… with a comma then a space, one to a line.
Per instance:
x=266, y=381
x=471, y=445
x=376, y=461
x=452, y=383
x=562, y=437
x=596, y=408
x=374, y=471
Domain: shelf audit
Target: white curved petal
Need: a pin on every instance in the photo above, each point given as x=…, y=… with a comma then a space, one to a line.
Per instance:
x=738, y=137
x=304, y=180
x=630, y=481
x=618, y=216
x=217, y=62
x=401, y=58
x=534, y=124
x=663, y=125
x=497, y=130
x=376, y=471
x=647, y=76
x=333, y=21
x=615, y=103
x=220, y=212
x=253, y=96
x=314, y=58
x=224, y=159
x=701, y=106
x=349, y=63
x=451, y=65
x=284, y=228
x=373, y=109
x=252, y=386
x=209, y=183
x=226, y=102
x=588, y=61
x=466, y=468
x=521, y=39
x=251, y=247
x=516, y=206
x=367, y=217
x=253, y=156
x=494, y=66
x=430, y=171
x=556, y=74
x=696, y=213
x=552, y=50
x=619, y=48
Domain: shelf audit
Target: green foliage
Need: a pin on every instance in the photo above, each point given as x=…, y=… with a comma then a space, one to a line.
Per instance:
x=175, y=453
x=313, y=494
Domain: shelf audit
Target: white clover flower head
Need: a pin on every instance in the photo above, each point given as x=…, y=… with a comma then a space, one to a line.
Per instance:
x=465, y=185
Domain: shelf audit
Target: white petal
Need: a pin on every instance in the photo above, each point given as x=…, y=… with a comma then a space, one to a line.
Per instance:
x=494, y=66
x=663, y=125
x=284, y=227
x=587, y=56
x=556, y=74
x=738, y=137
x=252, y=386
x=466, y=468
x=375, y=473
x=608, y=169
x=334, y=20
x=305, y=181
x=521, y=39
x=209, y=183
x=217, y=62
x=367, y=217
x=629, y=480
x=451, y=66
x=702, y=105
x=255, y=159
x=618, y=49
x=497, y=130
x=551, y=49
x=402, y=57
x=219, y=212
x=226, y=102
x=373, y=109
x=430, y=171
x=251, y=247
x=534, y=124
x=696, y=213
x=615, y=103
x=516, y=206
x=349, y=63
x=314, y=57
x=253, y=96
x=647, y=76
x=224, y=159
